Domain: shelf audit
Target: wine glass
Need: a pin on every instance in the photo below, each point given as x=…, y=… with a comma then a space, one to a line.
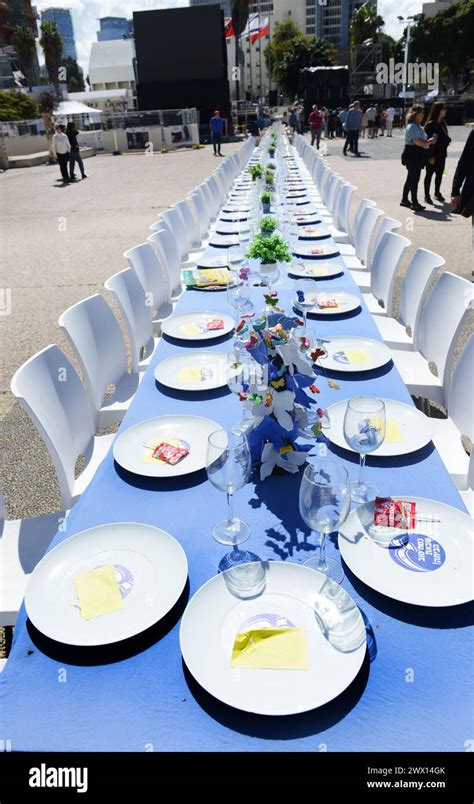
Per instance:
x=364, y=431
x=325, y=501
x=242, y=372
x=238, y=293
x=269, y=275
x=228, y=466
x=304, y=299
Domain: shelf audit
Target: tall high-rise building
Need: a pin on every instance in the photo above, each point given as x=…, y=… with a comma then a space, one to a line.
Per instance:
x=333, y=19
x=14, y=13
x=435, y=6
x=114, y=28
x=63, y=19
x=225, y=5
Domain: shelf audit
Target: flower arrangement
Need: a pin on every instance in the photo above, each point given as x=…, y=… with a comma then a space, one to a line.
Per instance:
x=268, y=223
x=269, y=249
x=279, y=409
x=256, y=171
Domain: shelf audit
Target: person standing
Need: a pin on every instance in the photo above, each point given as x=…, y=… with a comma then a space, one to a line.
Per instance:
x=462, y=193
x=301, y=117
x=293, y=119
x=331, y=124
x=364, y=122
x=436, y=126
x=383, y=120
x=353, y=124
x=415, y=156
x=74, y=155
x=61, y=147
x=315, y=123
x=389, y=120
x=216, y=126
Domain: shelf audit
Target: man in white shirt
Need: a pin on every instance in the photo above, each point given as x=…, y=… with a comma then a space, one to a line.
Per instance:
x=389, y=120
x=371, y=115
x=60, y=148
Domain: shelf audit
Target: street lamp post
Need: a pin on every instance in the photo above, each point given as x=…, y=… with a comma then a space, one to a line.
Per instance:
x=409, y=22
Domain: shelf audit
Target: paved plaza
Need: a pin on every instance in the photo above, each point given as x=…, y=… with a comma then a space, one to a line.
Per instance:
x=59, y=245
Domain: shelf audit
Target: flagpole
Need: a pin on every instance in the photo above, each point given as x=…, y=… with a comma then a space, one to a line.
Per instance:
x=250, y=64
x=260, y=50
x=269, y=69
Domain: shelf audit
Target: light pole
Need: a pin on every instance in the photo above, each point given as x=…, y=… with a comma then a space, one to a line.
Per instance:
x=409, y=22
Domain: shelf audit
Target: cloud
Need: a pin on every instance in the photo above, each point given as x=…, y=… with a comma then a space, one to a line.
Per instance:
x=391, y=9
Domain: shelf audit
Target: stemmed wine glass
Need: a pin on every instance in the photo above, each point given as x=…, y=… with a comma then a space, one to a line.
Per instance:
x=238, y=293
x=242, y=372
x=364, y=431
x=325, y=501
x=269, y=275
x=304, y=298
x=228, y=466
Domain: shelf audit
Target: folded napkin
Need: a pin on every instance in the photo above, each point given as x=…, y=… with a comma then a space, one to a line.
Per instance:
x=98, y=592
x=270, y=648
x=393, y=433
x=357, y=357
x=190, y=374
x=206, y=277
x=190, y=329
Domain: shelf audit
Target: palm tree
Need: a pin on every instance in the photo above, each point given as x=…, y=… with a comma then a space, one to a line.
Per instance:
x=52, y=45
x=47, y=104
x=240, y=15
x=25, y=45
x=365, y=24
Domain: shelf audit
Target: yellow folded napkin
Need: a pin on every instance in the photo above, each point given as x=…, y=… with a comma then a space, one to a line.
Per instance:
x=357, y=356
x=190, y=374
x=98, y=592
x=270, y=648
x=211, y=276
x=190, y=329
x=393, y=433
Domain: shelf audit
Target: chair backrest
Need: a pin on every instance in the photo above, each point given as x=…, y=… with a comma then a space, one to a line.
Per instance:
x=333, y=184
x=385, y=266
x=49, y=389
x=365, y=230
x=131, y=298
x=97, y=340
x=168, y=254
x=441, y=321
x=342, y=206
x=363, y=204
x=197, y=198
x=176, y=225
x=461, y=392
x=414, y=288
x=152, y=273
x=386, y=225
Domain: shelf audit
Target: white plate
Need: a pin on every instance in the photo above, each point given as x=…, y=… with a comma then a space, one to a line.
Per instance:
x=307, y=219
x=355, y=354
x=220, y=261
x=346, y=302
x=233, y=216
x=236, y=208
x=409, y=428
x=231, y=229
x=297, y=194
x=432, y=568
x=173, y=326
x=218, y=611
x=212, y=366
x=302, y=250
x=315, y=269
x=221, y=241
x=151, y=570
x=192, y=432
x=313, y=233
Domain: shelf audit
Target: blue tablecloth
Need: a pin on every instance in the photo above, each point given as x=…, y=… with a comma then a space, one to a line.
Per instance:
x=414, y=691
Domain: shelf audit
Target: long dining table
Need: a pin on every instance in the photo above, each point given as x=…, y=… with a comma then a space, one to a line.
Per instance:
x=413, y=692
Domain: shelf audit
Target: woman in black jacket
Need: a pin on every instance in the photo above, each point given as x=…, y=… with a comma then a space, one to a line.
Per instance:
x=436, y=126
x=462, y=194
x=75, y=155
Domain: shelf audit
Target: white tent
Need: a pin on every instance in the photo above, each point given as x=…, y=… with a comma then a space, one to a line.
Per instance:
x=69, y=108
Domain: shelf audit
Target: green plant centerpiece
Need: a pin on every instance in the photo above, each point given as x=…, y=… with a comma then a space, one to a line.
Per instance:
x=268, y=224
x=266, y=198
x=271, y=166
x=269, y=179
x=271, y=151
x=256, y=171
x=269, y=250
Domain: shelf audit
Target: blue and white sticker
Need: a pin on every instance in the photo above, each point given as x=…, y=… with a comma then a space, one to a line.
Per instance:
x=419, y=553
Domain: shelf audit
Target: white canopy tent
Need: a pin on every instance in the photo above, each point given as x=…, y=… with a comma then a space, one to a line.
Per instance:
x=72, y=108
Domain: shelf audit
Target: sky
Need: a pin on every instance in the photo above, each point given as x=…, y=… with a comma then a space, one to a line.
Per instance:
x=85, y=14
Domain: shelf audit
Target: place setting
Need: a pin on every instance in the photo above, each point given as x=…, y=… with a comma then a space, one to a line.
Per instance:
x=197, y=326
x=354, y=354
x=314, y=269
x=311, y=301
x=194, y=371
x=310, y=252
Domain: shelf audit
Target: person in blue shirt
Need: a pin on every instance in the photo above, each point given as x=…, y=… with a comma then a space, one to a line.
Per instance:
x=216, y=126
x=352, y=125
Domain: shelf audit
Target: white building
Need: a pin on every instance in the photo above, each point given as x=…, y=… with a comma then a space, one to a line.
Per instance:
x=111, y=65
x=434, y=7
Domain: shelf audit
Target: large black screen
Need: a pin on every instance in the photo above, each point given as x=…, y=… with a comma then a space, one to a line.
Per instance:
x=182, y=44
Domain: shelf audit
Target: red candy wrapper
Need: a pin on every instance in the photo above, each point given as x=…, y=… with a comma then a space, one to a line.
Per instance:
x=327, y=303
x=170, y=454
x=394, y=513
x=317, y=251
x=216, y=323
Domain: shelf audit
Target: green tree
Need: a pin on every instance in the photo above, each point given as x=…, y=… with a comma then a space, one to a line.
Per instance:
x=289, y=57
x=16, y=105
x=47, y=105
x=52, y=45
x=284, y=33
x=365, y=24
x=25, y=45
x=446, y=38
x=240, y=15
x=74, y=75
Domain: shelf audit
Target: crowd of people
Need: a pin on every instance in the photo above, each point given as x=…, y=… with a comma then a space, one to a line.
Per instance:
x=375, y=121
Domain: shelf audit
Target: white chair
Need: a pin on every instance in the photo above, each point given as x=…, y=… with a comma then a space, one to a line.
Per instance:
x=168, y=254
x=176, y=226
x=132, y=301
x=385, y=266
x=340, y=228
x=399, y=333
x=49, y=389
x=191, y=224
x=198, y=199
x=153, y=274
x=441, y=321
x=363, y=204
x=95, y=336
x=467, y=494
x=460, y=421
x=363, y=234
x=23, y=542
x=386, y=225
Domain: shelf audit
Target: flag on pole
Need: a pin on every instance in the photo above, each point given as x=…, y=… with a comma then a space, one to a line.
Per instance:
x=229, y=28
x=251, y=27
x=262, y=30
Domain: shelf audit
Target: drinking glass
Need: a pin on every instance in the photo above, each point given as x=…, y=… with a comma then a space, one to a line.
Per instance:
x=325, y=501
x=364, y=431
x=228, y=466
x=242, y=371
x=238, y=293
x=304, y=298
